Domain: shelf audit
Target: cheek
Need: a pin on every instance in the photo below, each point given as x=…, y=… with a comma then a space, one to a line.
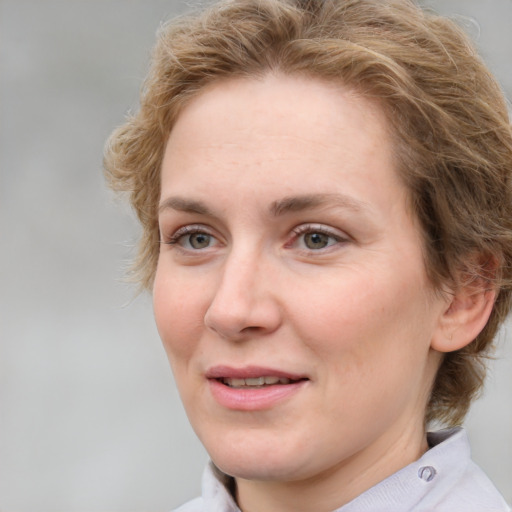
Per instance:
x=179, y=316
x=361, y=314
x=370, y=339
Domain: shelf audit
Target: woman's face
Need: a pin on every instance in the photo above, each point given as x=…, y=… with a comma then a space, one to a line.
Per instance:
x=291, y=293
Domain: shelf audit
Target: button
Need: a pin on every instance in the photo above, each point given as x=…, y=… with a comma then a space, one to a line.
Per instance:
x=427, y=473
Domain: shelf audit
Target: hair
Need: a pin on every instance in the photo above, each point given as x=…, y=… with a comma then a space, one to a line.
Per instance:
x=448, y=118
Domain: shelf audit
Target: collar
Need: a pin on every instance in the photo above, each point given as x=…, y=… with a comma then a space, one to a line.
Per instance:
x=420, y=486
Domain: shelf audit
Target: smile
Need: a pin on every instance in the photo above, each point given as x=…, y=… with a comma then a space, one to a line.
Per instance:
x=253, y=388
x=255, y=382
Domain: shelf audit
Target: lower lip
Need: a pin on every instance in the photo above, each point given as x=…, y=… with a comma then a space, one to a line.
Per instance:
x=255, y=399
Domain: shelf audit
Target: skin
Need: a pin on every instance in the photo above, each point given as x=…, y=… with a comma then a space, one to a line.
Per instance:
x=329, y=285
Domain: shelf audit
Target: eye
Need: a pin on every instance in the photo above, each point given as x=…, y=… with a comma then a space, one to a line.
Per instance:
x=193, y=238
x=198, y=240
x=314, y=237
x=317, y=240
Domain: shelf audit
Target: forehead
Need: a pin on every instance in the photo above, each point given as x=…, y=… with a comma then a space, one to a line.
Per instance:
x=305, y=121
x=311, y=100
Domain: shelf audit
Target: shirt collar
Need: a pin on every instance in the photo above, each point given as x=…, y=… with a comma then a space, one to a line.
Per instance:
x=440, y=467
x=216, y=490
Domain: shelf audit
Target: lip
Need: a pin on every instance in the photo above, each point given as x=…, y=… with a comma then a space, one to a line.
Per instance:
x=254, y=399
x=248, y=372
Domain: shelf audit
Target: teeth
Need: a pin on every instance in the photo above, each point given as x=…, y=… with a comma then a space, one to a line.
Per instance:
x=255, y=381
x=235, y=383
x=258, y=381
x=272, y=380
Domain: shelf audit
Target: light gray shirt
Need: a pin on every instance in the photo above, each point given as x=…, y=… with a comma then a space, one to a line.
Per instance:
x=444, y=479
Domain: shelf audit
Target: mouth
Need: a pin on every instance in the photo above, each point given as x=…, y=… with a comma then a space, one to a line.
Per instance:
x=253, y=388
x=256, y=382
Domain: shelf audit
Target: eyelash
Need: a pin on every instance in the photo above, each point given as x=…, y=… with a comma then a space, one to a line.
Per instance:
x=192, y=229
x=305, y=229
x=299, y=231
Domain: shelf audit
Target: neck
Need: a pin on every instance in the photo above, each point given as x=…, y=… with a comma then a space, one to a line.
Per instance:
x=338, y=485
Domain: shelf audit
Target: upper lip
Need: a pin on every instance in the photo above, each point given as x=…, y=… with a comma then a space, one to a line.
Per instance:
x=249, y=372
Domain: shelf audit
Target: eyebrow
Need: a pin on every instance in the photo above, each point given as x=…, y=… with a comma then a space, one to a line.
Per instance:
x=309, y=201
x=184, y=205
x=278, y=208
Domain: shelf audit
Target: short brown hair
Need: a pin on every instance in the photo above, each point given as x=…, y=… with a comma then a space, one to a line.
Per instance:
x=452, y=135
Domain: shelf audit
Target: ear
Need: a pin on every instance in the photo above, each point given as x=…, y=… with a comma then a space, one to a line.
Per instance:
x=465, y=315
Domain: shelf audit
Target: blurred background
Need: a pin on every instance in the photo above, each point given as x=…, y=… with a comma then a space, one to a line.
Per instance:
x=89, y=416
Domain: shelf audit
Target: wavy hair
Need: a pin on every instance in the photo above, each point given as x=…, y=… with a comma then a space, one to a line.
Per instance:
x=448, y=117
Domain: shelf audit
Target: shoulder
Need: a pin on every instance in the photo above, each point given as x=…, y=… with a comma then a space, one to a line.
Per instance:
x=444, y=479
x=472, y=492
x=215, y=495
x=195, y=505
x=461, y=484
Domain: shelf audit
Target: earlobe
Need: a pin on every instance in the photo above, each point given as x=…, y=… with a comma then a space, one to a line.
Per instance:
x=465, y=316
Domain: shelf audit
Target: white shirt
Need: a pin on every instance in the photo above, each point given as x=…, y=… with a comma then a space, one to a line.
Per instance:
x=444, y=479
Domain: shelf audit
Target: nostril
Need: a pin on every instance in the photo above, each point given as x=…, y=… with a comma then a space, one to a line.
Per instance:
x=252, y=328
x=236, y=317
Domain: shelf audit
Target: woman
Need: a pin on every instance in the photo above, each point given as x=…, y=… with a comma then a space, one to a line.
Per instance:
x=325, y=193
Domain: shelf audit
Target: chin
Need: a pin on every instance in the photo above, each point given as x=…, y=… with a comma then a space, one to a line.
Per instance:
x=260, y=458
x=259, y=467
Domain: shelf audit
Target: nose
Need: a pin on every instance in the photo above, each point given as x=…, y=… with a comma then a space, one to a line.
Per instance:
x=245, y=303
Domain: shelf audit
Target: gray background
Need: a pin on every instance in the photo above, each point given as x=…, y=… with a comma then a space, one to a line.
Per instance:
x=89, y=417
